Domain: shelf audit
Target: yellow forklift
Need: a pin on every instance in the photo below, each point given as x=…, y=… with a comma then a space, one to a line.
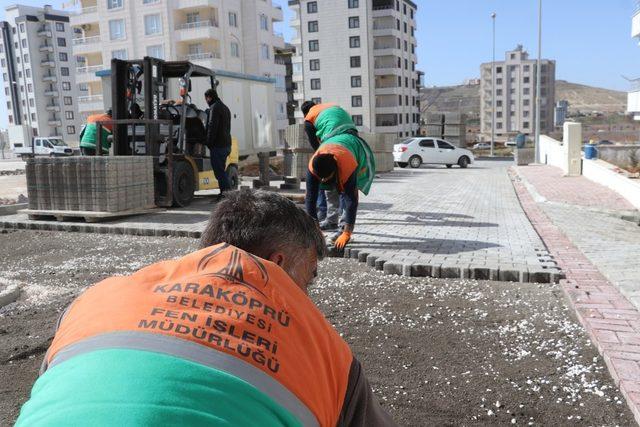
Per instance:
x=146, y=121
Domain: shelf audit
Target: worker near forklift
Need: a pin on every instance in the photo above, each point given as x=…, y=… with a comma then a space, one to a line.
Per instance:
x=218, y=138
x=226, y=335
x=343, y=162
x=88, y=134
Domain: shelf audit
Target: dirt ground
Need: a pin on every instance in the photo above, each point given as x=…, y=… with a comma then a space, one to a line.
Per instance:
x=454, y=352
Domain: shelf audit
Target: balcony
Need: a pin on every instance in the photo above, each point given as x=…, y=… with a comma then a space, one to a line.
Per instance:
x=48, y=63
x=50, y=78
x=46, y=48
x=88, y=73
x=86, y=40
x=53, y=108
x=55, y=123
x=45, y=31
x=53, y=93
x=85, y=45
x=635, y=24
x=197, y=31
x=202, y=56
x=86, y=15
x=90, y=103
x=385, y=49
x=386, y=70
x=197, y=4
x=385, y=27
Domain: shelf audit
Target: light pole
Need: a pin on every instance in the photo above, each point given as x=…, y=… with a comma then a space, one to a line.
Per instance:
x=538, y=82
x=493, y=86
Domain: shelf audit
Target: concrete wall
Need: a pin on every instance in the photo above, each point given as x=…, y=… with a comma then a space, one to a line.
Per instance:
x=566, y=154
x=603, y=173
x=622, y=156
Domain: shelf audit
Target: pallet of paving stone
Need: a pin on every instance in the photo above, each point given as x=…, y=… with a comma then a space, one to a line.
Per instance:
x=87, y=216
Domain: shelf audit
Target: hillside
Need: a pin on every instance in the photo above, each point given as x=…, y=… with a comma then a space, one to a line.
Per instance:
x=581, y=97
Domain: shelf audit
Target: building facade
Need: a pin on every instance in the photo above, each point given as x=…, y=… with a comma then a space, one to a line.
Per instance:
x=560, y=113
x=284, y=57
x=633, y=98
x=230, y=35
x=38, y=75
x=361, y=55
x=515, y=95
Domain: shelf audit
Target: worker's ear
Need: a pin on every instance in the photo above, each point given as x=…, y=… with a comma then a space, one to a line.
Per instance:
x=277, y=258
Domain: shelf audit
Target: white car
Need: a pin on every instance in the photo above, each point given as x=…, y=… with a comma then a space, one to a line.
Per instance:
x=416, y=151
x=44, y=146
x=482, y=146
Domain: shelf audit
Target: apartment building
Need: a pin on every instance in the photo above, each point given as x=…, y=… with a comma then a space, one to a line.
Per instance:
x=230, y=35
x=515, y=94
x=284, y=57
x=38, y=76
x=360, y=54
x=633, y=97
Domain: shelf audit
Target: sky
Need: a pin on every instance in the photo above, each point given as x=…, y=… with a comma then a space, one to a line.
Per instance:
x=589, y=39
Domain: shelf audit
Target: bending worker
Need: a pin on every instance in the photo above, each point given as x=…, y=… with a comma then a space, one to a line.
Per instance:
x=343, y=162
x=89, y=134
x=226, y=335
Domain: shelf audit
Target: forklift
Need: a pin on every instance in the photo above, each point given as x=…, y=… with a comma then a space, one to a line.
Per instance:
x=172, y=131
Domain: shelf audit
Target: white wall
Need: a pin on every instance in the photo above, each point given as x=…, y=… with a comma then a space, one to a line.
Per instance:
x=551, y=152
x=602, y=172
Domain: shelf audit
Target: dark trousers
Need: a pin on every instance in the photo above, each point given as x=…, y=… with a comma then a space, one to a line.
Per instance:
x=219, y=164
x=87, y=151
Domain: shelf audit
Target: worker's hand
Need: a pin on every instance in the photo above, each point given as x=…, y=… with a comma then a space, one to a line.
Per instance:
x=342, y=241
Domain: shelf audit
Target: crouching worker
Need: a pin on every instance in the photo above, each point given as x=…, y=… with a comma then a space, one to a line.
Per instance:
x=226, y=335
x=89, y=134
x=343, y=162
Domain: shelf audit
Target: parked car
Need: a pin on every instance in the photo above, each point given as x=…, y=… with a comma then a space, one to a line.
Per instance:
x=416, y=151
x=510, y=144
x=482, y=146
x=44, y=146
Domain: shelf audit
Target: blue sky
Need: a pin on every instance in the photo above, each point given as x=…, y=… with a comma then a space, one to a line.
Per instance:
x=589, y=39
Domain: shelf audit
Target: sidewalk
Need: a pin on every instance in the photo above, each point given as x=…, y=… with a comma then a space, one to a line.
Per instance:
x=599, y=254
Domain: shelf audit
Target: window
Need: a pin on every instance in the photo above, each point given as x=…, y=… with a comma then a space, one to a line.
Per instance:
x=513, y=56
x=32, y=103
x=26, y=58
x=498, y=70
x=357, y=119
x=29, y=88
x=499, y=125
x=525, y=91
x=27, y=72
x=313, y=26
x=525, y=102
x=315, y=84
x=353, y=4
x=406, y=46
x=354, y=22
x=114, y=4
x=71, y=130
x=24, y=42
x=411, y=12
x=62, y=41
x=445, y=145
x=33, y=117
x=233, y=19
x=512, y=113
x=4, y=75
x=526, y=80
x=235, y=50
x=60, y=26
x=10, y=119
x=427, y=143
x=525, y=124
x=413, y=48
x=499, y=114
x=316, y=100
x=195, y=49
x=264, y=51
x=498, y=81
x=526, y=68
x=6, y=91
x=356, y=81
x=63, y=56
x=512, y=91
x=400, y=100
x=264, y=23
x=356, y=101
x=354, y=41
x=22, y=27
x=66, y=86
x=404, y=9
x=413, y=31
x=68, y=115
x=406, y=64
x=116, y=29
x=155, y=51
x=3, y=63
x=152, y=25
x=314, y=64
x=499, y=92
x=405, y=28
x=119, y=54
x=525, y=113
x=64, y=71
x=68, y=100
x=314, y=45
x=312, y=7
x=355, y=62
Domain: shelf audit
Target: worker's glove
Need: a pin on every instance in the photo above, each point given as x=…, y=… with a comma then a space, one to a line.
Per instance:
x=342, y=241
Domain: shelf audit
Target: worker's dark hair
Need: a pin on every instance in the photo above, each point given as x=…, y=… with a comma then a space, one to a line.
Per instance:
x=306, y=106
x=109, y=112
x=261, y=223
x=211, y=93
x=324, y=165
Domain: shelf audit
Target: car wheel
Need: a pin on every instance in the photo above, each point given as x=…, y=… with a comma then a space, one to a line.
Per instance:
x=449, y=166
x=402, y=164
x=415, y=162
x=183, y=184
x=463, y=162
x=234, y=176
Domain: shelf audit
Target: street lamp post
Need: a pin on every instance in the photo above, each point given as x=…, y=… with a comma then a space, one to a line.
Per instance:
x=538, y=83
x=493, y=87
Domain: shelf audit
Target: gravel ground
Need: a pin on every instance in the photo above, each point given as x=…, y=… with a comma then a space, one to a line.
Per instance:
x=454, y=352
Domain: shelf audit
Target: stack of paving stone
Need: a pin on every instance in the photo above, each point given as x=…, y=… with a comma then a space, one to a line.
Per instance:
x=98, y=184
x=434, y=125
x=382, y=146
x=455, y=129
x=298, y=142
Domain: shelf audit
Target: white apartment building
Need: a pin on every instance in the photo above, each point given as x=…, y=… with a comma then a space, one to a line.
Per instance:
x=515, y=94
x=229, y=35
x=633, y=98
x=38, y=76
x=361, y=55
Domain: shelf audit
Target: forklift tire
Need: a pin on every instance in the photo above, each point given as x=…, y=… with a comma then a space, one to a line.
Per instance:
x=183, y=184
x=234, y=176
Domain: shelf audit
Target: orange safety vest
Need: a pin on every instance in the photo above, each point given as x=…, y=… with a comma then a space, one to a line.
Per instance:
x=219, y=301
x=345, y=160
x=315, y=111
x=100, y=117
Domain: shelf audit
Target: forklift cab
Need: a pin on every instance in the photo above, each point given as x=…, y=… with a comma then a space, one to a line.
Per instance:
x=146, y=121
